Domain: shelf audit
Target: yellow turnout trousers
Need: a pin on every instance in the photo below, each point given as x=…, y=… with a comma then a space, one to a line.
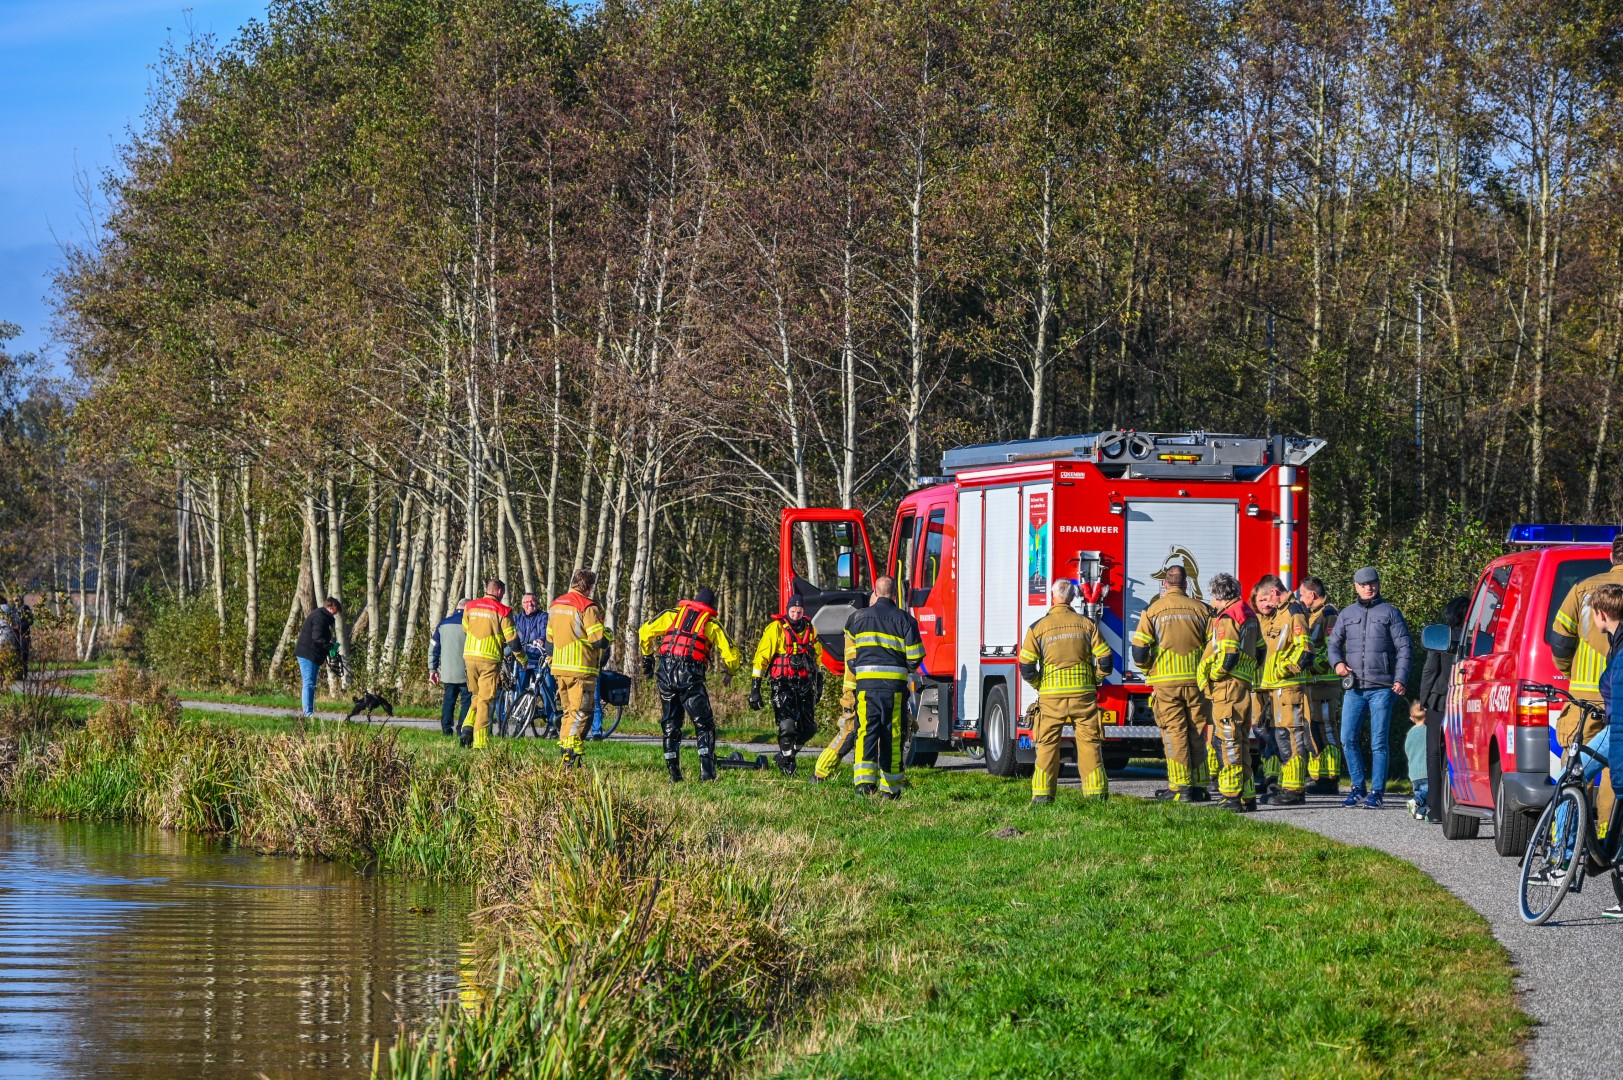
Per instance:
x=484, y=681
x=1566, y=726
x=576, y=696
x=844, y=739
x=1180, y=713
x=1231, y=738
x=1324, y=706
x=1081, y=711
x=1293, y=735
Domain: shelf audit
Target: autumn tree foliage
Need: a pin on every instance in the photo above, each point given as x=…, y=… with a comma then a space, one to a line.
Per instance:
x=389, y=296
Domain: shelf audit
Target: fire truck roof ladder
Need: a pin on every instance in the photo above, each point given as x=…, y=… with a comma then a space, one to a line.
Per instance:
x=1195, y=455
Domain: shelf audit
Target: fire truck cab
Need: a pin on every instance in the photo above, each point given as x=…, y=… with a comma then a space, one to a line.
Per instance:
x=974, y=552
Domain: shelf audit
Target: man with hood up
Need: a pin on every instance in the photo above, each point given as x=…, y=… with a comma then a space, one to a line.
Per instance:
x=676, y=648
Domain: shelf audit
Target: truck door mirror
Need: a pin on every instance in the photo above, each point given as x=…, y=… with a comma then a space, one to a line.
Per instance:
x=842, y=571
x=842, y=534
x=917, y=598
x=1436, y=638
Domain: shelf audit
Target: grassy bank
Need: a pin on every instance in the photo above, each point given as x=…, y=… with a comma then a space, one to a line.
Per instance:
x=629, y=951
x=956, y=933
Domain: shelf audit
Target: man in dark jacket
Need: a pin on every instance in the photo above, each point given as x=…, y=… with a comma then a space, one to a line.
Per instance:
x=1370, y=650
x=318, y=642
x=882, y=649
x=447, y=669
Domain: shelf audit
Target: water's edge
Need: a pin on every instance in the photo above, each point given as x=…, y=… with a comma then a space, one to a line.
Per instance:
x=132, y=951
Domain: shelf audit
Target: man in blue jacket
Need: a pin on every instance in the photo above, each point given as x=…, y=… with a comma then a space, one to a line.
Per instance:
x=1370, y=650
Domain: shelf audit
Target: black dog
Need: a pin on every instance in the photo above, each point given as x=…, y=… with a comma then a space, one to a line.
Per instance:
x=367, y=703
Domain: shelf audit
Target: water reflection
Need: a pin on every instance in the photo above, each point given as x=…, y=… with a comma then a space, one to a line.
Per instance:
x=135, y=952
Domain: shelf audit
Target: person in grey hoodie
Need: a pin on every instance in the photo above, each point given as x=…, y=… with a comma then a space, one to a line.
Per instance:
x=446, y=668
x=1370, y=650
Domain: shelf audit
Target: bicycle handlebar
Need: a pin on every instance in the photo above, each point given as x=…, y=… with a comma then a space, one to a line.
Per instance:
x=1555, y=693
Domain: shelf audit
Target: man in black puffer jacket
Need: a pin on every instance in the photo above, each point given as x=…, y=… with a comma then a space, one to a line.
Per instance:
x=1370, y=650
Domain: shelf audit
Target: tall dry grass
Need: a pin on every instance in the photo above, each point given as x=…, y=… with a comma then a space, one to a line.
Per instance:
x=612, y=950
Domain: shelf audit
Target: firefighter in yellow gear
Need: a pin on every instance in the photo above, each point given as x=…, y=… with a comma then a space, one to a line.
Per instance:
x=882, y=650
x=676, y=648
x=1167, y=647
x=1580, y=649
x=1065, y=658
x=1227, y=671
x=488, y=626
x=579, y=640
x=845, y=739
x=1286, y=658
x=1323, y=689
x=790, y=660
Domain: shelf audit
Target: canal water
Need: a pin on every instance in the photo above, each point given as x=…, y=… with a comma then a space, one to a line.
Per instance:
x=135, y=952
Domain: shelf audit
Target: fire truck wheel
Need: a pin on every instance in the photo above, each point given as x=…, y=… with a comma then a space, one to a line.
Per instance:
x=1116, y=760
x=923, y=759
x=998, y=734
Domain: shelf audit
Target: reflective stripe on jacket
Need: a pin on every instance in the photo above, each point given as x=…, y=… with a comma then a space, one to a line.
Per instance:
x=489, y=625
x=1063, y=653
x=1288, y=654
x=1232, y=651
x=1321, y=621
x=1584, y=659
x=1170, y=636
x=882, y=646
x=575, y=628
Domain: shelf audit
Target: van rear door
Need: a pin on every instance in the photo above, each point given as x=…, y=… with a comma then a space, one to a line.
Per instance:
x=1487, y=688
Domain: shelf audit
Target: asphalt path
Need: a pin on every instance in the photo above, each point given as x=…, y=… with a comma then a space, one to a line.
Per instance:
x=1564, y=969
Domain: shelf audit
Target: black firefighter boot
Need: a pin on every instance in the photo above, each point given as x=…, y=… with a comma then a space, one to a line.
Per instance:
x=707, y=752
x=673, y=763
x=786, y=761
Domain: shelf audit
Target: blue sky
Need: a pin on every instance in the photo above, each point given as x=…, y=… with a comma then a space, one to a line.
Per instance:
x=73, y=79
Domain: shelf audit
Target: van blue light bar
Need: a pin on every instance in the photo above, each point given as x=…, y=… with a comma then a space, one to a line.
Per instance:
x=1561, y=534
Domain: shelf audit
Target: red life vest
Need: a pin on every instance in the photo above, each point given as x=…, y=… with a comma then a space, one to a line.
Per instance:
x=796, y=659
x=686, y=638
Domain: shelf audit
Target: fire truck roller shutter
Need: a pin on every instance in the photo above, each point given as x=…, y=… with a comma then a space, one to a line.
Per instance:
x=1201, y=536
x=969, y=607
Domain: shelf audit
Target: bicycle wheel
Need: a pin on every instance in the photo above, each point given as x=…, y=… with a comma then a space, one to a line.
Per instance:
x=522, y=717
x=498, y=723
x=1553, y=855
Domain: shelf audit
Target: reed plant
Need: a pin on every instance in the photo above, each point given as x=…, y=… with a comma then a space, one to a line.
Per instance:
x=611, y=948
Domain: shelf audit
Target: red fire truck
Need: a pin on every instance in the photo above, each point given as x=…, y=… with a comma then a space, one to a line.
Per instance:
x=974, y=552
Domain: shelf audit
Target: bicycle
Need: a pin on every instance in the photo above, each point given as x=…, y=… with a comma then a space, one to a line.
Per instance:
x=518, y=709
x=1565, y=848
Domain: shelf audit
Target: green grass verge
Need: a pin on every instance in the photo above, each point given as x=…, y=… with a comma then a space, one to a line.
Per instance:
x=956, y=933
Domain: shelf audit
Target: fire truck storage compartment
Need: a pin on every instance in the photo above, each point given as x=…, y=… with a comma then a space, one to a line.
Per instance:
x=970, y=515
x=1005, y=559
x=1200, y=535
